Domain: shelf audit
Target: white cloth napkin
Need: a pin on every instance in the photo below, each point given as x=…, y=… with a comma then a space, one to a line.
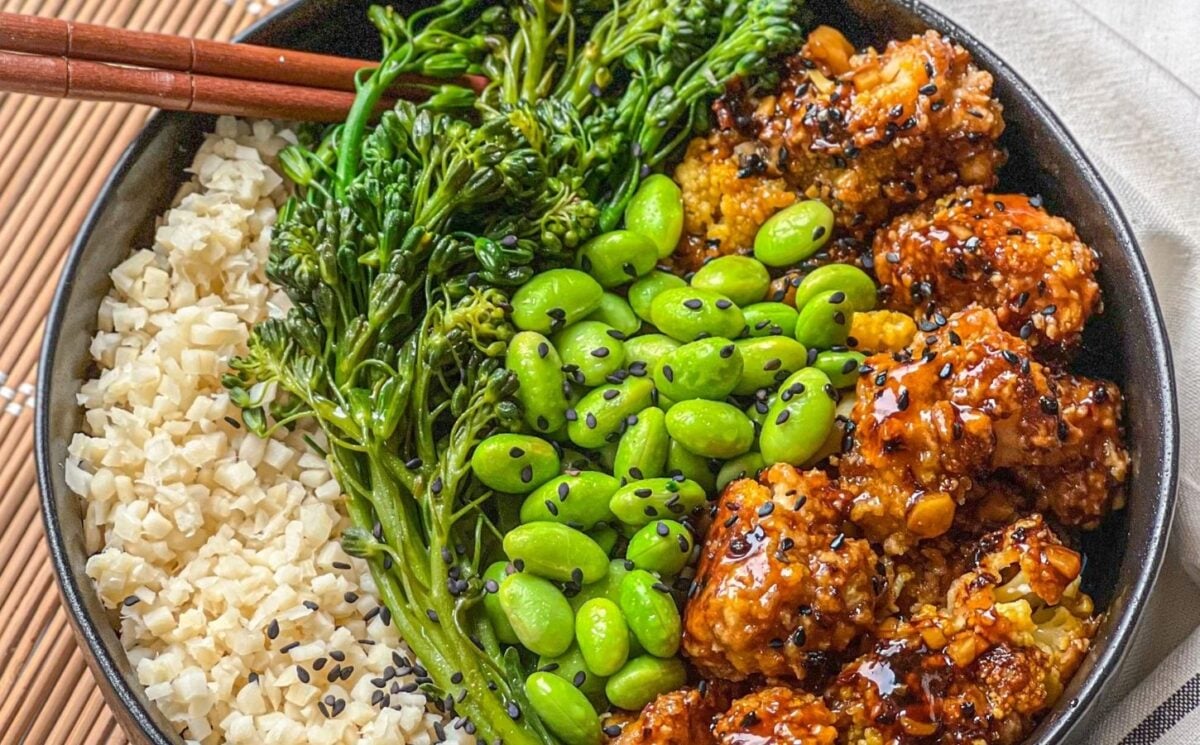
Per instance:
x=1140, y=125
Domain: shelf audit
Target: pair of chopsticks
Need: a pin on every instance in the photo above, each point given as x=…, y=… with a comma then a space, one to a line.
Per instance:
x=62, y=59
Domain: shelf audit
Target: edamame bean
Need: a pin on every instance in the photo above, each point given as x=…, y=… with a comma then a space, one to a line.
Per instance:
x=690, y=313
x=824, y=321
x=651, y=613
x=799, y=420
x=605, y=536
x=794, y=233
x=859, y=288
x=542, y=390
x=492, y=577
x=713, y=429
x=602, y=635
x=770, y=319
x=570, y=667
x=643, y=292
x=563, y=709
x=707, y=368
x=616, y=312
x=639, y=502
x=642, y=680
x=555, y=551
x=555, y=299
x=662, y=546
x=515, y=464
x=656, y=211
x=608, y=587
x=642, y=451
x=841, y=367
x=742, y=467
x=642, y=353
x=617, y=257
x=593, y=349
x=578, y=500
x=767, y=361
x=597, y=418
x=540, y=615
x=683, y=462
x=740, y=278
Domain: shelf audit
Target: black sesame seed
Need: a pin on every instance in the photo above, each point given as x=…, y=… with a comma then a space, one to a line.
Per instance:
x=302, y=674
x=838, y=541
x=590, y=420
x=783, y=416
x=766, y=509
x=693, y=304
x=288, y=647
x=273, y=629
x=724, y=304
x=902, y=399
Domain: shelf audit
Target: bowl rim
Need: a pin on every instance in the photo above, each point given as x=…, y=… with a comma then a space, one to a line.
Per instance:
x=1052, y=730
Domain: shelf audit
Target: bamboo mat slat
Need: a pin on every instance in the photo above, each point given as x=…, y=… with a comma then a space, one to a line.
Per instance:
x=54, y=157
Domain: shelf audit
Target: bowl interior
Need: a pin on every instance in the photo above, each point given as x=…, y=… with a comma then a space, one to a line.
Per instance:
x=1126, y=344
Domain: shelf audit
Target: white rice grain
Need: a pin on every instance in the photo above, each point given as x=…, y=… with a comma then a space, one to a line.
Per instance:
x=240, y=612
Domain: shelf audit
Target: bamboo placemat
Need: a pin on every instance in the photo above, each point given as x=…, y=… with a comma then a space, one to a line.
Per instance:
x=54, y=157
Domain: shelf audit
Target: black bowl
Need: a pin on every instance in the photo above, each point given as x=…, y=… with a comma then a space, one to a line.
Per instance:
x=1127, y=344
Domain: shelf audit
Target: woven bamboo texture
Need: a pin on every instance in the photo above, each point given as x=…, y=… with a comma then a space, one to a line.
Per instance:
x=54, y=157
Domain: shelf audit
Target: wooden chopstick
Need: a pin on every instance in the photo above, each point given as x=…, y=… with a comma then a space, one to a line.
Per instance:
x=60, y=77
x=64, y=59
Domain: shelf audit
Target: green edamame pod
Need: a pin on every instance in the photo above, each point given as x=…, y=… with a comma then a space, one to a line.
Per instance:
x=794, y=233
x=767, y=361
x=492, y=577
x=651, y=613
x=642, y=680
x=640, y=502
x=713, y=429
x=579, y=500
x=555, y=551
x=643, y=292
x=515, y=464
x=642, y=451
x=542, y=392
x=555, y=299
x=742, y=467
x=707, y=368
x=770, y=319
x=602, y=635
x=859, y=287
x=597, y=418
x=799, y=421
x=540, y=615
x=740, y=278
x=642, y=353
x=615, y=311
x=563, y=708
x=593, y=349
x=824, y=320
x=683, y=462
x=608, y=587
x=663, y=546
x=617, y=257
x=841, y=367
x=605, y=536
x=656, y=211
x=570, y=667
x=690, y=313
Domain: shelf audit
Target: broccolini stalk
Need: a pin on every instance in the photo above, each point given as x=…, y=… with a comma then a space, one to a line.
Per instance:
x=395, y=245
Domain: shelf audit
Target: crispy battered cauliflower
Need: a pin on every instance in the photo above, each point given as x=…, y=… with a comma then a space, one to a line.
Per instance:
x=1003, y=252
x=961, y=404
x=986, y=664
x=780, y=588
x=777, y=716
